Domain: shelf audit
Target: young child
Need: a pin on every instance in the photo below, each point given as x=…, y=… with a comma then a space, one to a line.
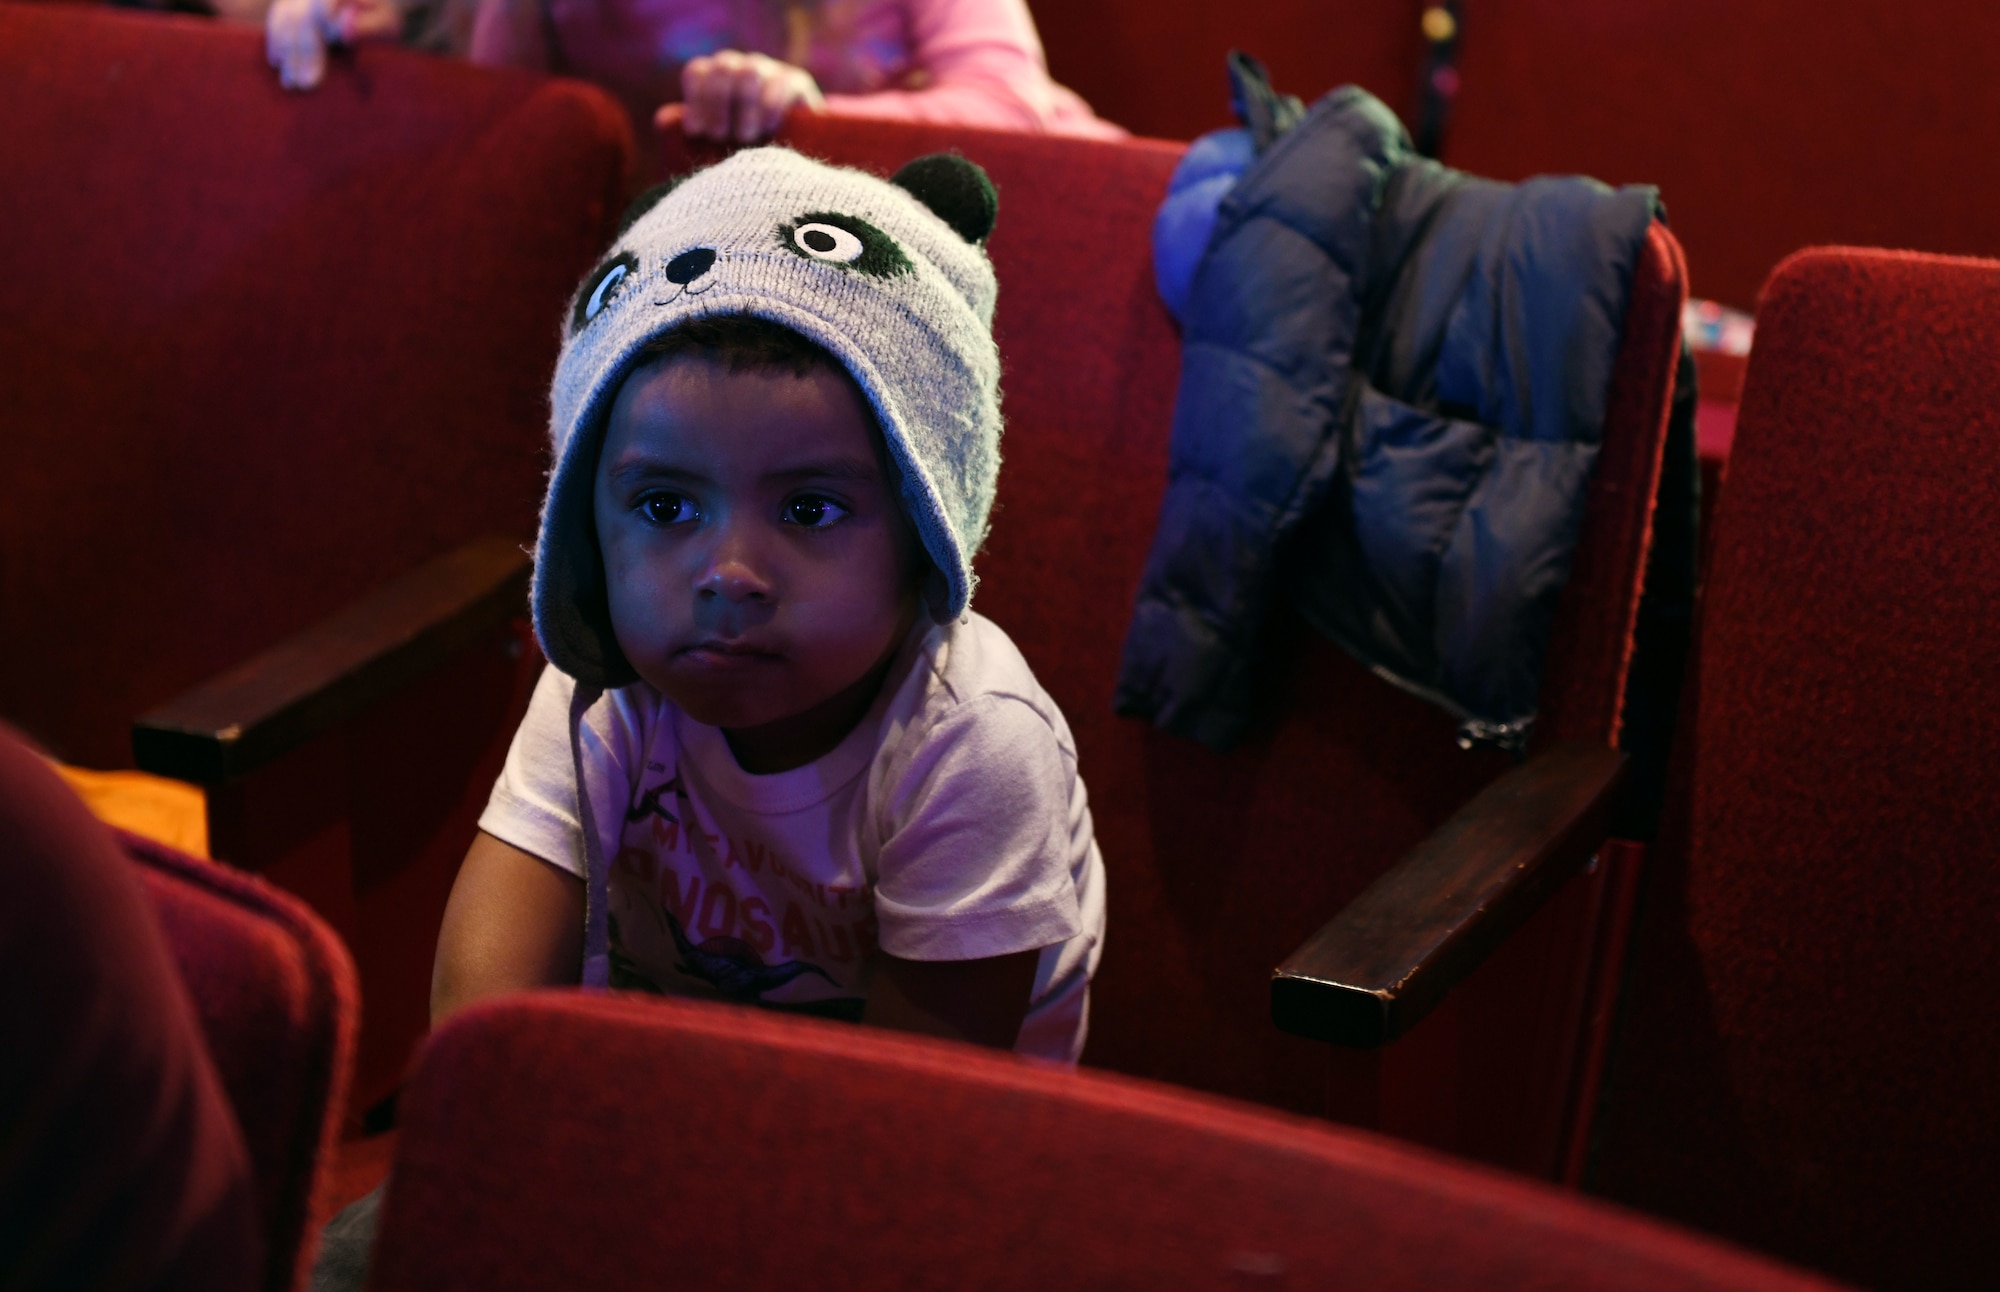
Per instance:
x=738, y=65
x=777, y=759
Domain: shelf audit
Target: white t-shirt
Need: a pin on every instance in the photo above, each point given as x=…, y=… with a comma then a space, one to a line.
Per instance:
x=950, y=824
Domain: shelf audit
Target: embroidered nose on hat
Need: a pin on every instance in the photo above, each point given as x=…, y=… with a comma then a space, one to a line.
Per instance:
x=690, y=265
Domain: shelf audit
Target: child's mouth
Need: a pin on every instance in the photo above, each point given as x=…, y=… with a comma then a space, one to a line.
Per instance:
x=723, y=655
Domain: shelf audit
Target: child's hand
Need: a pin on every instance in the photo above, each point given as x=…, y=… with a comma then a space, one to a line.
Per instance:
x=297, y=32
x=360, y=20
x=743, y=97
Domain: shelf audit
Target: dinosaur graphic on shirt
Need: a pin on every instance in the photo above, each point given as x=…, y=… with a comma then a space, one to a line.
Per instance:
x=732, y=966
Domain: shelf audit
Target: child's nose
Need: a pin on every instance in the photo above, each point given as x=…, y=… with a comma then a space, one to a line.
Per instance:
x=733, y=581
x=733, y=572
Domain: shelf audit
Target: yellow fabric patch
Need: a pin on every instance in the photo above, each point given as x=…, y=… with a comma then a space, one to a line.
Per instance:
x=171, y=812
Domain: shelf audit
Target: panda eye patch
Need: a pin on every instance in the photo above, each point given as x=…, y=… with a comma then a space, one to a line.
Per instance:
x=843, y=241
x=828, y=242
x=602, y=287
x=609, y=283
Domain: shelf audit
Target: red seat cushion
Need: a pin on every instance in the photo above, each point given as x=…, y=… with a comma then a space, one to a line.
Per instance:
x=1813, y=1040
x=712, y=1146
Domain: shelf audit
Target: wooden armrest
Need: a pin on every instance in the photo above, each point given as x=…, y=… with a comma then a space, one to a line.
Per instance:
x=1379, y=966
x=245, y=718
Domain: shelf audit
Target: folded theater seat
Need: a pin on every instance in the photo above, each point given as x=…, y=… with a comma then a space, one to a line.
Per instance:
x=211, y=1019
x=1348, y=794
x=275, y=407
x=1810, y=1040
x=720, y=1147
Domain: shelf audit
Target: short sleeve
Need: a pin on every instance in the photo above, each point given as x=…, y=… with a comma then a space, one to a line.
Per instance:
x=533, y=804
x=976, y=856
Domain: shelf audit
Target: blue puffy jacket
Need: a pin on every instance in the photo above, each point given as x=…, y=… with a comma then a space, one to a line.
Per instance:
x=1393, y=383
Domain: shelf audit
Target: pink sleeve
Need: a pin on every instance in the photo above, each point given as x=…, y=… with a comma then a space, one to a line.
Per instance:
x=983, y=67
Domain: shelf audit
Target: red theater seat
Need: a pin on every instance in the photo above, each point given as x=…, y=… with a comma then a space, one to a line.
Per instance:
x=266, y=353
x=279, y=1006
x=264, y=1000
x=1219, y=867
x=643, y=1143
x=1811, y=1039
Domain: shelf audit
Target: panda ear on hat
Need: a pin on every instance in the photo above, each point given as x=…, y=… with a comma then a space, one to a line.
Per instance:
x=645, y=202
x=957, y=190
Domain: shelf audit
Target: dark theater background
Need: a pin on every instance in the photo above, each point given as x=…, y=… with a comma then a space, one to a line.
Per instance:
x=1686, y=982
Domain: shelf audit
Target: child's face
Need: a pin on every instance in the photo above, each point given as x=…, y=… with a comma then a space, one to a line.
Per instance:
x=759, y=566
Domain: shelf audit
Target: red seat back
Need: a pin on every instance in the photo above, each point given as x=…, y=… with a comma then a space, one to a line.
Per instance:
x=1219, y=865
x=1768, y=126
x=279, y=1005
x=1167, y=77
x=709, y=1146
x=1812, y=1037
x=264, y=351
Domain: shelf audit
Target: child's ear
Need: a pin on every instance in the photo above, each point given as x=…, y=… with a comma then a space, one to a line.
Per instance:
x=956, y=189
x=934, y=590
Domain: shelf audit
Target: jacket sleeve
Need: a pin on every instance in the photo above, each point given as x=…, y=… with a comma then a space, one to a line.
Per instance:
x=1271, y=328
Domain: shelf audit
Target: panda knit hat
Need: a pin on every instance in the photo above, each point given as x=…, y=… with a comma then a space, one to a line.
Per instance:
x=888, y=276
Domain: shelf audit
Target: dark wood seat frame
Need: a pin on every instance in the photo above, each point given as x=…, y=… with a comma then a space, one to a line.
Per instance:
x=1363, y=980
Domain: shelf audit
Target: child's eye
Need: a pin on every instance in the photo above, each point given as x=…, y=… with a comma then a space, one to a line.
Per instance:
x=814, y=511
x=666, y=508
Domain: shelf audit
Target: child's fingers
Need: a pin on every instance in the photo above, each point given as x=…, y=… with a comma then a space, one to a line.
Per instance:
x=708, y=88
x=293, y=44
x=742, y=97
x=692, y=72
x=368, y=20
x=774, y=95
x=786, y=89
x=747, y=100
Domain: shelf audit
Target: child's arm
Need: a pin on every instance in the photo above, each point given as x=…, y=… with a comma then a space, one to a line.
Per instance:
x=513, y=922
x=982, y=1001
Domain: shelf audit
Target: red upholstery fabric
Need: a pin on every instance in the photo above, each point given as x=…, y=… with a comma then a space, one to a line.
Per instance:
x=1768, y=125
x=264, y=350
x=1218, y=866
x=1812, y=1040
x=1158, y=69
x=708, y=1146
x=277, y=999
x=120, y=1164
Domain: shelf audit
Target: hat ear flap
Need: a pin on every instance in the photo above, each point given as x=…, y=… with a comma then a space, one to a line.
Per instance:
x=957, y=190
